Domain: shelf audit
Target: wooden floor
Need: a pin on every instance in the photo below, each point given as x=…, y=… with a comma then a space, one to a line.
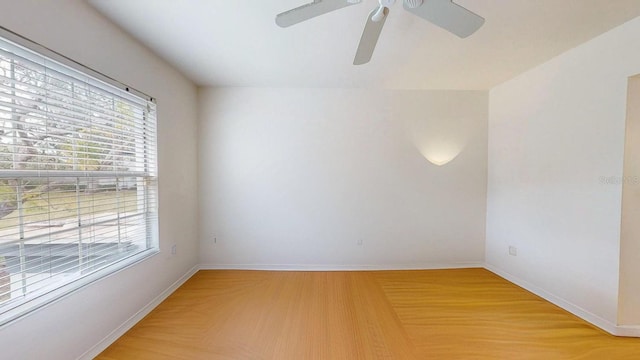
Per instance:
x=435, y=314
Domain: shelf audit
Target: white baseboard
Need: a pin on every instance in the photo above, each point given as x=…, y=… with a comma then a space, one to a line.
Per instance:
x=566, y=305
x=129, y=323
x=628, y=330
x=336, y=267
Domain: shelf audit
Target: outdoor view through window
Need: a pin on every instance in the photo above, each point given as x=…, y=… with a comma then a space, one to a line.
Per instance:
x=77, y=175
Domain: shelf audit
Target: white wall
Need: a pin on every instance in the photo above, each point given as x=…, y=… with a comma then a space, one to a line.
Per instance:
x=554, y=133
x=68, y=328
x=294, y=177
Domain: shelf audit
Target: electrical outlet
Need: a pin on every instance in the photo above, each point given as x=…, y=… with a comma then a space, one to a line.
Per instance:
x=174, y=249
x=359, y=242
x=513, y=251
x=213, y=239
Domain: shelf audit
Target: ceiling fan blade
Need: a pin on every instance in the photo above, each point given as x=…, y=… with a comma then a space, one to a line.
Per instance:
x=449, y=16
x=311, y=10
x=370, y=36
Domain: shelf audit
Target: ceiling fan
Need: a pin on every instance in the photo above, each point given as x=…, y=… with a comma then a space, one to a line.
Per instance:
x=444, y=13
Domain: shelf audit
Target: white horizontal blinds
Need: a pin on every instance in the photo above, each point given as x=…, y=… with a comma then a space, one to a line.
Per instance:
x=92, y=129
x=77, y=175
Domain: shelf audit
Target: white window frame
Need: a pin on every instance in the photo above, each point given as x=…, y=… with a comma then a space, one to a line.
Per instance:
x=17, y=309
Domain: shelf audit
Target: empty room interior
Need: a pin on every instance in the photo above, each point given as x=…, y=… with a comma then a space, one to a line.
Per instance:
x=328, y=179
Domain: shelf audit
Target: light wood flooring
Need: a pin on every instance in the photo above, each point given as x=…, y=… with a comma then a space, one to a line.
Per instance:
x=432, y=314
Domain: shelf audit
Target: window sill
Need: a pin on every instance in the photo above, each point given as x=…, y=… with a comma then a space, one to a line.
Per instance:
x=42, y=301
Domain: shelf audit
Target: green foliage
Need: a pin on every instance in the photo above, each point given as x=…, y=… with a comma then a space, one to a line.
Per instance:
x=63, y=205
x=7, y=191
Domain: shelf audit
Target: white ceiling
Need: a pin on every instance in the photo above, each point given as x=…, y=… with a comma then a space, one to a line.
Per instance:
x=237, y=43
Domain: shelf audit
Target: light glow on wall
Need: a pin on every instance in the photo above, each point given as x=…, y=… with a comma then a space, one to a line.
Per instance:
x=440, y=152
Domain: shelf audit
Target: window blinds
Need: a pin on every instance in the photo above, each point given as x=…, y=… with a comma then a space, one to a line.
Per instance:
x=77, y=175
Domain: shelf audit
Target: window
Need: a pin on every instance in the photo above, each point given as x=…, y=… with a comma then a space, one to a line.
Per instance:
x=77, y=176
